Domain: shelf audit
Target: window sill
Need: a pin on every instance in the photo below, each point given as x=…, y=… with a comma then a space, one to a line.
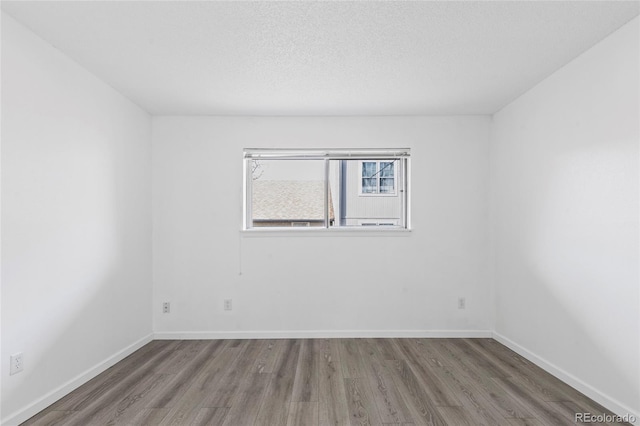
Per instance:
x=324, y=232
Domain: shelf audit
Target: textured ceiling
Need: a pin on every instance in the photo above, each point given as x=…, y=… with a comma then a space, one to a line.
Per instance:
x=322, y=58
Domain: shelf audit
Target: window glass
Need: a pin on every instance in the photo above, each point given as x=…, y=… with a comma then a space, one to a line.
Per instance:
x=368, y=169
x=325, y=189
x=386, y=169
x=287, y=193
x=386, y=186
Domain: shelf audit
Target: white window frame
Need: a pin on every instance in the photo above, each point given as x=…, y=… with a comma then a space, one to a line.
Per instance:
x=377, y=178
x=402, y=185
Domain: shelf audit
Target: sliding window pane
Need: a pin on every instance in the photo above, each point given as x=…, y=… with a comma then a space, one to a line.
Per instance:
x=287, y=193
x=365, y=193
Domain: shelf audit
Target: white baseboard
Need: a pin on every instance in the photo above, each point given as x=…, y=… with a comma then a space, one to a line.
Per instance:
x=48, y=399
x=601, y=398
x=319, y=334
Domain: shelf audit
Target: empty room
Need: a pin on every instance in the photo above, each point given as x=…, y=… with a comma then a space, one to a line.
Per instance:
x=320, y=213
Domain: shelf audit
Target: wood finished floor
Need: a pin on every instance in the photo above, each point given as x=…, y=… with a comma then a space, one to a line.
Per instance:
x=322, y=382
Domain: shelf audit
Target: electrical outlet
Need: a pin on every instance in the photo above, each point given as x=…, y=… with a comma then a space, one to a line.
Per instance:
x=166, y=308
x=462, y=303
x=17, y=364
x=228, y=304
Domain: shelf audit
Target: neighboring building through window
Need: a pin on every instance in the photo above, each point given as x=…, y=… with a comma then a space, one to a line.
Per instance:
x=326, y=188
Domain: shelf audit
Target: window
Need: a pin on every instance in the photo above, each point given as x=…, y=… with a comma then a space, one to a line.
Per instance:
x=326, y=189
x=377, y=177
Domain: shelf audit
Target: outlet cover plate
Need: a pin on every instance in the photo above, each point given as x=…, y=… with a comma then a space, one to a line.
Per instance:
x=17, y=363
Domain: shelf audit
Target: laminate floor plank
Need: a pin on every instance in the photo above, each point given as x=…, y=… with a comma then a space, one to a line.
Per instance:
x=133, y=400
x=462, y=416
x=524, y=422
x=332, y=408
x=51, y=418
x=456, y=416
x=114, y=393
x=268, y=356
x=473, y=399
x=541, y=387
x=541, y=410
x=182, y=356
x=397, y=424
x=390, y=349
x=246, y=403
x=506, y=355
x=183, y=379
x=427, y=348
x=362, y=409
x=277, y=398
x=210, y=416
x=569, y=410
x=437, y=391
x=388, y=400
x=536, y=378
x=322, y=382
x=149, y=416
x=189, y=406
x=229, y=384
x=587, y=404
x=533, y=376
x=386, y=348
x=489, y=366
x=305, y=388
x=423, y=410
x=303, y=414
x=104, y=383
x=475, y=378
x=352, y=367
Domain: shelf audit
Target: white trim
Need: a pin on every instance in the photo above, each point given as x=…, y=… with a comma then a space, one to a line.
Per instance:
x=320, y=334
x=344, y=231
x=399, y=158
x=601, y=398
x=40, y=404
x=324, y=153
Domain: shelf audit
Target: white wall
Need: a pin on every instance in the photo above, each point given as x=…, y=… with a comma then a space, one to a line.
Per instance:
x=564, y=162
x=396, y=284
x=77, y=198
x=76, y=222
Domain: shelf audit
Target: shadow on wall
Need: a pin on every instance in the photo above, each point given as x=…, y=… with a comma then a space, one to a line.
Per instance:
x=83, y=340
x=563, y=339
x=571, y=293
